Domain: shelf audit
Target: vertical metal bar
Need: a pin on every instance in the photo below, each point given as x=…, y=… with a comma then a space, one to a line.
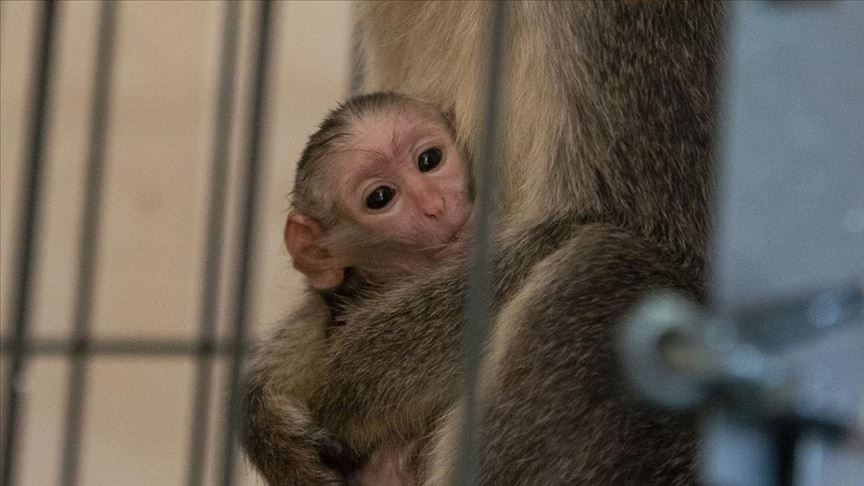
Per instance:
x=30, y=208
x=213, y=257
x=357, y=79
x=255, y=141
x=100, y=109
x=477, y=312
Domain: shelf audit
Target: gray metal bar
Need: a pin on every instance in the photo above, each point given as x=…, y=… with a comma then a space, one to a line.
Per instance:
x=213, y=256
x=477, y=316
x=255, y=141
x=122, y=347
x=357, y=79
x=87, y=261
x=26, y=256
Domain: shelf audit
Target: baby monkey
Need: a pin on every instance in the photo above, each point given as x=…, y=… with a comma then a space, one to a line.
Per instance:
x=381, y=191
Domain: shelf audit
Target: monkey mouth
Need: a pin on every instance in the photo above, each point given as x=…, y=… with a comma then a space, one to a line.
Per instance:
x=454, y=245
x=467, y=226
x=453, y=240
x=455, y=237
x=461, y=231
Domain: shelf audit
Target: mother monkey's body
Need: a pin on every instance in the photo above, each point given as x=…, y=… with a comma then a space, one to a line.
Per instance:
x=606, y=182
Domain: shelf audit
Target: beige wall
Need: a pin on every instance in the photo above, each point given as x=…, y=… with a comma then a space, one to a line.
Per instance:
x=150, y=248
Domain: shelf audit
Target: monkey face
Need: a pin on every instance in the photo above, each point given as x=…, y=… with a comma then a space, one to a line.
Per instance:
x=403, y=183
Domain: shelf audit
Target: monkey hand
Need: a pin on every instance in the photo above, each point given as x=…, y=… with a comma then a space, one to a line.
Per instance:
x=335, y=454
x=289, y=449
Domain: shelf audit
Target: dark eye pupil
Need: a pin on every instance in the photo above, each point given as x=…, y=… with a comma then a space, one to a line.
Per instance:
x=429, y=159
x=379, y=198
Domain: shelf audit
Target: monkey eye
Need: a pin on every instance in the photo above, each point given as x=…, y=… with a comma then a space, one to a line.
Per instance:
x=380, y=197
x=429, y=159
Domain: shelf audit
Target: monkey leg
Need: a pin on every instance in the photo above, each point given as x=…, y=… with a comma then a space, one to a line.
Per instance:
x=553, y=412
x=281, y=437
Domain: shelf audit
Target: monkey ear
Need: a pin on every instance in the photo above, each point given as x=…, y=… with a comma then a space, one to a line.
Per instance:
x=303, y=240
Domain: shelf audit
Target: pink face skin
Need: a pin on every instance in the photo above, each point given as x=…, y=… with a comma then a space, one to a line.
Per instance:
x=403, y=182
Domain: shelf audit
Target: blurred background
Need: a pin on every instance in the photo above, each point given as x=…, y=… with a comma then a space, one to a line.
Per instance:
x=137, y=419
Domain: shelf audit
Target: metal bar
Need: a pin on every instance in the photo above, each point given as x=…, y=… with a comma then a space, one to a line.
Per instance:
x=87, y=261
x=215, y=223
x=26, y=256
x=255, y=141
x=121, y=347
x=477, y=313
x=357, y=79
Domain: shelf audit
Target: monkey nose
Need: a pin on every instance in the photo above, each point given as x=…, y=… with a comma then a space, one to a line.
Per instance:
x=434, y=206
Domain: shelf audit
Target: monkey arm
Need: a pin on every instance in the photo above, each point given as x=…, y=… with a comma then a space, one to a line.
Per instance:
x=393, y=369
x=280, y=436
x=392, y=366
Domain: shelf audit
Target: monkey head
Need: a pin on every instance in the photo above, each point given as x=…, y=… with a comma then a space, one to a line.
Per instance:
x=392, y=197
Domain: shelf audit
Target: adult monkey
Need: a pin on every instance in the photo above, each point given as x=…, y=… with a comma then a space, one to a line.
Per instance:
x=605, y=191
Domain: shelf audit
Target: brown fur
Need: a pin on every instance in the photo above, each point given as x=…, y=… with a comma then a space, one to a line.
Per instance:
x=606, y=183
